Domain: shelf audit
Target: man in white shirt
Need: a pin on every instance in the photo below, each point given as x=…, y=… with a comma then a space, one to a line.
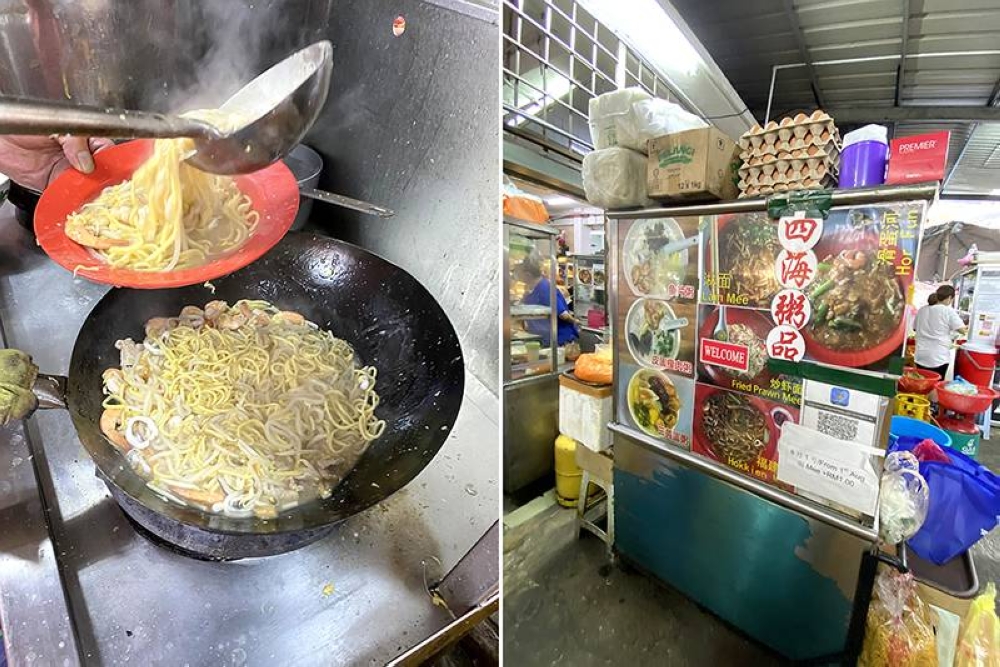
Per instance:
x=935, y=325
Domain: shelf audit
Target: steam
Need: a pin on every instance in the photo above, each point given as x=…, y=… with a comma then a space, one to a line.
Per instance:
x=212, y=49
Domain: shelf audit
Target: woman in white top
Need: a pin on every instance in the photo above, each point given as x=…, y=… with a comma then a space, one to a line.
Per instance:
x=935, y=325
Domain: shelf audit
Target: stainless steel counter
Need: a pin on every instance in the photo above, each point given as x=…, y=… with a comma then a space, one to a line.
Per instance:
x=79, y=586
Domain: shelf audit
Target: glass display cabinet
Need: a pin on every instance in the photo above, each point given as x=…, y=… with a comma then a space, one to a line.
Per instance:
x=530, y=352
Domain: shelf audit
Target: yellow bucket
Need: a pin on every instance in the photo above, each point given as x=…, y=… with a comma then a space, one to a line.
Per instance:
x=568, y=474
x=913, y=405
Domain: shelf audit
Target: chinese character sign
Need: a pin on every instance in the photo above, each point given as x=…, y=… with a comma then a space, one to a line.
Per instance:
x=798, y=232
x=785, y=342
x=791, y=307
x=795, y=269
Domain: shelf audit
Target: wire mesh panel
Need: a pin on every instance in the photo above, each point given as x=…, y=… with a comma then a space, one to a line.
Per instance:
x=556, y=58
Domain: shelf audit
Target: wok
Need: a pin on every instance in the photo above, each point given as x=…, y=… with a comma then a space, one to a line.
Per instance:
x=391, y=320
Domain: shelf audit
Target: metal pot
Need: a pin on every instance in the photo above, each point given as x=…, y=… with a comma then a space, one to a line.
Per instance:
x=306, y=165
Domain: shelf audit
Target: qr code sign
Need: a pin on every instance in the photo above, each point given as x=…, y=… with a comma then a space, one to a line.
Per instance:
x=837, y=426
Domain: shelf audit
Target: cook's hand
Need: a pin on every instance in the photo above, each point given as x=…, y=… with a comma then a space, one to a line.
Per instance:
x=17, y=376
x=35, y=161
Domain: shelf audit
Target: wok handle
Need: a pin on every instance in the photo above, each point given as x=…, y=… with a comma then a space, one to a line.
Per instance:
x=18, y=116
x=50, y=390
x=346, y=202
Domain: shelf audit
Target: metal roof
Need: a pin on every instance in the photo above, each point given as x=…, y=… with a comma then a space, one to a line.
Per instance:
x=898, y=53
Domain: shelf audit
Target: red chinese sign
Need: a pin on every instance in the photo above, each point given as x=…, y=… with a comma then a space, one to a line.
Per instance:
x=727, y=355
x=798, y=233
x=791, y=307
x=785, y=342
x=795, y=270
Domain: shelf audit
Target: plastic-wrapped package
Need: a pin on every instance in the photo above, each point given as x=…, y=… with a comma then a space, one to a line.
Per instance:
x=898, y=631
x=980, y=642
x=615, y=178
x=903, y=502
x=606, y=113
x=630, y=118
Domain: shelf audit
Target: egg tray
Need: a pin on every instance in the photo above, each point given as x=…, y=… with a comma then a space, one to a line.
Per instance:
x=764, y=189
x=800, y=132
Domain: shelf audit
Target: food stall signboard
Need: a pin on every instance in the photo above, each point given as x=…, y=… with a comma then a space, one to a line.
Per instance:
x=791, y=307
x=657, y=312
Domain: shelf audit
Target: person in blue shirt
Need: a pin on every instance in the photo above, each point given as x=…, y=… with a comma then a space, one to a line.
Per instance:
x=539, y=289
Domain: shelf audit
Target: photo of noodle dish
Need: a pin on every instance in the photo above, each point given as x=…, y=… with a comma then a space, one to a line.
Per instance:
x=733, y=428
x=242, y=410
x=857, y=305
x=169, y=215
x=648, y=269
x=747, y=250
x=653, y=402
x=648, y=335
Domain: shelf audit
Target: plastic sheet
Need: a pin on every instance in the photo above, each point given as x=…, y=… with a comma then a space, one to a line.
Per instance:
x=629, y=118
x=980, y=642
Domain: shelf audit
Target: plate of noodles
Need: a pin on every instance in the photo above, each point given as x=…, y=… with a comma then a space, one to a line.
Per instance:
x=144, y=219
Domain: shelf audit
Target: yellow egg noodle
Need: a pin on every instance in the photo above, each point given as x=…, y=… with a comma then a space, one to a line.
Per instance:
x=243, y=410
x=169, y=215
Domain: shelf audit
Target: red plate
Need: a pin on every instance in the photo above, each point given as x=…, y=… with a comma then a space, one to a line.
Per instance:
x=273, y=191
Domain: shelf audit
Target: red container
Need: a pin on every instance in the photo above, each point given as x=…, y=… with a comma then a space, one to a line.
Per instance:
x=922, y=385
x=961, y=403
x=918, y=159
x=976, y=364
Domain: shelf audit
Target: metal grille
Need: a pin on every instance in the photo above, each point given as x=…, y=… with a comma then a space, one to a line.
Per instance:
x=556, y=58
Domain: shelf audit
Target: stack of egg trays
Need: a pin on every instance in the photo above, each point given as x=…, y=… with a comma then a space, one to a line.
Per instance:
x=793, y=154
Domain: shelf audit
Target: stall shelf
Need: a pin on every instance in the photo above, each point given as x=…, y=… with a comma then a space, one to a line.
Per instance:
x=790, y=571
x=530, y=367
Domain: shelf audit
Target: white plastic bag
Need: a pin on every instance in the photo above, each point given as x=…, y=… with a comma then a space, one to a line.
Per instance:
x=615, y=178
x=607, y=115
x=629, y=118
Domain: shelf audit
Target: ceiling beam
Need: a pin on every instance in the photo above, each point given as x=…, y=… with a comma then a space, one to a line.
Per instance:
x=800, y=41
x=901, y=70
x=848, y=115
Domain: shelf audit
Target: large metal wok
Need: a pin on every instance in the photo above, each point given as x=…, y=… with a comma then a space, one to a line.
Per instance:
x=391, y=320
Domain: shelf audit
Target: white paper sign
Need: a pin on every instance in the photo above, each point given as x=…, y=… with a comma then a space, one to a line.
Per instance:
x=833, y=469
x=845, y=414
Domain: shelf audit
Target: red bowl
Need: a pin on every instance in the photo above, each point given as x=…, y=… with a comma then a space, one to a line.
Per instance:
x=832, y=245
x=969, y=405
x=273, y=191
x=758, y=322
x=922, y=385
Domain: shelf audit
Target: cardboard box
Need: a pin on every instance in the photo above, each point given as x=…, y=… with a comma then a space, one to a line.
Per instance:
x=918, y=159
x=691, y=165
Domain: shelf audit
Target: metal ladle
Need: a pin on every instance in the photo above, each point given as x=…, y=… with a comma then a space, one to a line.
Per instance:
x=280, y=105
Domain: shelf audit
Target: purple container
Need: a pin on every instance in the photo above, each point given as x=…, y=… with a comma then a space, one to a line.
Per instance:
x=862, y=164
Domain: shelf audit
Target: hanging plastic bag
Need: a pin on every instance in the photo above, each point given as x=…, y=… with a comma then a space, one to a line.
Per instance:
x=523, y=206
x=903, y=501
x=980, y=642
x=898, y=632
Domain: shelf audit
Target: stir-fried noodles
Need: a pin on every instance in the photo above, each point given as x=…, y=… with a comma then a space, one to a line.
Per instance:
x=169, y=215
x=242, y=410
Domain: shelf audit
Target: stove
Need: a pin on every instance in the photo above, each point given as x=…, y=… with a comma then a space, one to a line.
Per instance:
x=86, y=579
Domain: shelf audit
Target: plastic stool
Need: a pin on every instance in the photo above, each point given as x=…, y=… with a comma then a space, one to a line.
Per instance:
x=596, y=467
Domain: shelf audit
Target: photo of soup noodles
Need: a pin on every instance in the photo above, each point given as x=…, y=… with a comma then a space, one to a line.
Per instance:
x=741, y=334
x=856, y=302
x=736, y=430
